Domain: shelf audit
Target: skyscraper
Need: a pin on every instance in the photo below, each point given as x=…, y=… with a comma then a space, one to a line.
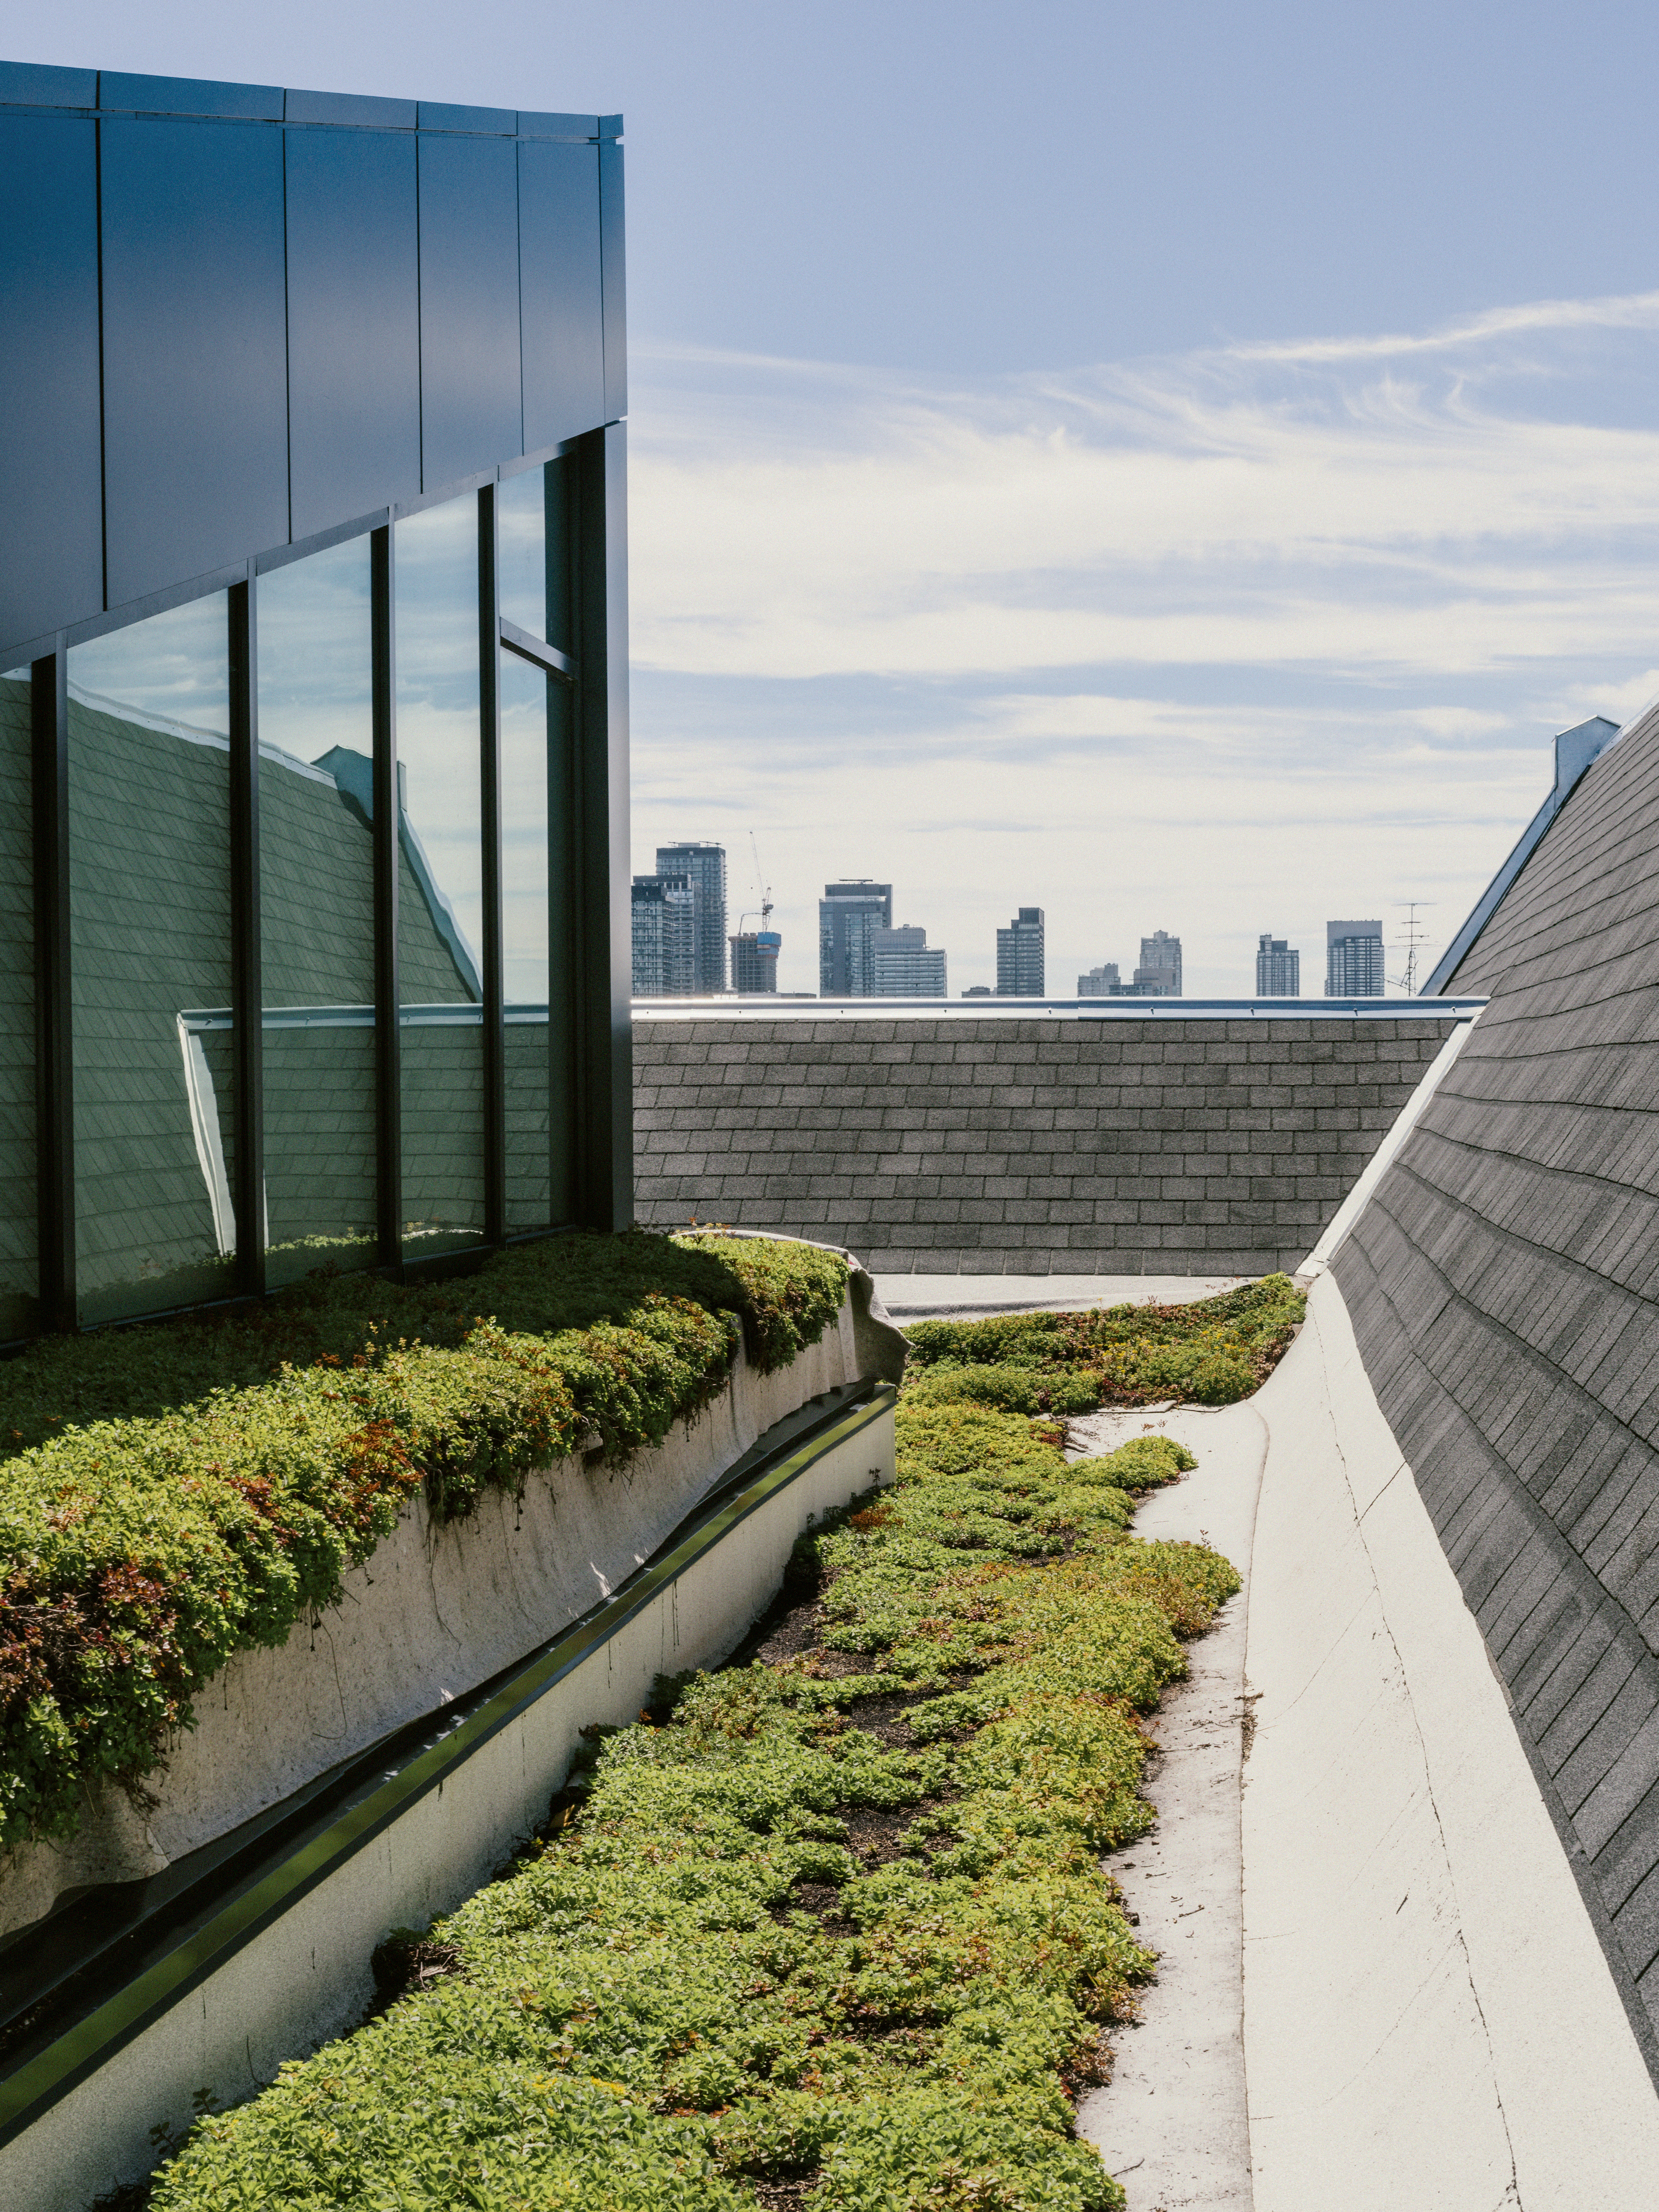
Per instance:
x=1100, y=982
x=1019, y=955
x=1278, y=968
x=847, y=912
x=904, y=965
x=1354, y=960
x=755, y=961
x=664, y=910
x=705, y=866
x=1158, y=976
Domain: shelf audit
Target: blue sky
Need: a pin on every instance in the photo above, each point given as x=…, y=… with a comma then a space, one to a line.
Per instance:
x=1174, y=466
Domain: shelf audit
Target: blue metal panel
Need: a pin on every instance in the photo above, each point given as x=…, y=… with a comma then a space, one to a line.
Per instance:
x=354, y=360
x=616, y=296
x=355, y=110
x=51, y=559
x=494, y=122
x=559, y=280
x=472, y=412
x=189, y=95
x=37, y=84
x=558, y=126
x=195, y=354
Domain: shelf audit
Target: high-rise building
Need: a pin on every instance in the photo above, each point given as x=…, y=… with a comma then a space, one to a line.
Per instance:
x=1278, y=968
x=755, y=961
x=904, y=965
x=705, y=866
x=1019, y=955
x=664, y=916
x=847, y=912
x=1158, y=976
x=1354, y=960
x=1100, y=982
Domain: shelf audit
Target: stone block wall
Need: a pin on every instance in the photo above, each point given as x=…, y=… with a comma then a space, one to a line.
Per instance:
x=950, y=1144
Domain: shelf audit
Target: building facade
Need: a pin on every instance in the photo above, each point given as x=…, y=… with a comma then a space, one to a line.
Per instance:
x=904, y=965
x=1354, y=960
x=313, y=762
x=848, y=911
x=1278, y=968
x=1158, y=976
x=755, y=961
x=1100, y=982
x=1019, y=955
x=664, y=911
x=703, y=866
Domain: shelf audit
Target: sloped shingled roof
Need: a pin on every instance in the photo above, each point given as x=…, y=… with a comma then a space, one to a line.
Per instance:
x=1505, y=1287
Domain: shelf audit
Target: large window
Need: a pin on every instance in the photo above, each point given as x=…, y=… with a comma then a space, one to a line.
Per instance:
x=317, y=911
x=441, y=880
x=150, y=963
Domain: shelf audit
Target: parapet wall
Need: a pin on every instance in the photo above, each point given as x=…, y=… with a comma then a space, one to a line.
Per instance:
x=1504, y=1283
x=946, y=1143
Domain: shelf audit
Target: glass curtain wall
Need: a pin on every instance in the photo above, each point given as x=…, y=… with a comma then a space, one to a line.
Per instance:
x=440, y=878
x=150, y=963
x=317, y=912
x=538, y=815
x=19, y=1212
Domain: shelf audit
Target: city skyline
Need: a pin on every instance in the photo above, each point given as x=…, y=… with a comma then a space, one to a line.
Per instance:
x=853, y=909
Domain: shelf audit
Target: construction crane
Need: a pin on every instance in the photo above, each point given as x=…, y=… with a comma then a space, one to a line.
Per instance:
x=764, y=888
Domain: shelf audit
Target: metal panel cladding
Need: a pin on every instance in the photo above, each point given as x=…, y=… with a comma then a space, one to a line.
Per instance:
x=50, y=554
x=560, y=290
x=195, y=351
x=472, y=411
x=353, y=336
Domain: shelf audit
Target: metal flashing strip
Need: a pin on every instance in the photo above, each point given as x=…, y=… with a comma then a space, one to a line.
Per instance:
x=1574, y=750
x=203, y=1933
x=766, y=1007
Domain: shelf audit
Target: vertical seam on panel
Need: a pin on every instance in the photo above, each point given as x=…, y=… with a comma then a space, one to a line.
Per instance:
x=103, y=456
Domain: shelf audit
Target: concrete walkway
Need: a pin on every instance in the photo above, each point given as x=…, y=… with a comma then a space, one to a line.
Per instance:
x=1172, y=2125
x=952, y=1298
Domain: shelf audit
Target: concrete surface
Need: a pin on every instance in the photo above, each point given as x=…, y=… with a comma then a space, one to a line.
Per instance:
x=1172, y=2125
x=1430, y=2021
x=930, y=1298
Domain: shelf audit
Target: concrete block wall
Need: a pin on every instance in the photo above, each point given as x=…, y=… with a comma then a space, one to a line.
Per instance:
x=947, y=1144
x=1505, y=1288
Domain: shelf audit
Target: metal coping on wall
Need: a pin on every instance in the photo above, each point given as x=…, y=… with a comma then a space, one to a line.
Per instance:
x=214, y=1904
x=765, y=1008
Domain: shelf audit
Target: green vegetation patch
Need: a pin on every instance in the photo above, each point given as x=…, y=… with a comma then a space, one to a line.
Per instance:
x=829, y=1929
x=1208, y=1353
x=178, y=1494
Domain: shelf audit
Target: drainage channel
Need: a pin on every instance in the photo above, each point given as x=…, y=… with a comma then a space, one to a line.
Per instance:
x=79, y=1986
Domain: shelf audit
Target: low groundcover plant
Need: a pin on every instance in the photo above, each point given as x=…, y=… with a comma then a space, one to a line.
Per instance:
x=829, y=1927
x=178, y=1494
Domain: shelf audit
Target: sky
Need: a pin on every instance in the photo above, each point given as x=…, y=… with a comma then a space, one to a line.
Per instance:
x=1175, y=467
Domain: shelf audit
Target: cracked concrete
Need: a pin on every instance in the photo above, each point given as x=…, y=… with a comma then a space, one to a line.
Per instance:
x=1172, y=2125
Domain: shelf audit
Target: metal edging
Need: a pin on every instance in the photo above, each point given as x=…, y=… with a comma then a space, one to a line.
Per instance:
x=44, y=2079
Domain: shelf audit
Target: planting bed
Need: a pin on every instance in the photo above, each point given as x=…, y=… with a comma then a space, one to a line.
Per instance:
x=828, y=1928
x=175, y=1494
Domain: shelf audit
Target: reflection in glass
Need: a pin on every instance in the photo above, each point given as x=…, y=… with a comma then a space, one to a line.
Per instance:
x=150, y=978
x=521, y=538
x=531, y=734
x=19, y=1282
x=440, y=880
x=317, y=911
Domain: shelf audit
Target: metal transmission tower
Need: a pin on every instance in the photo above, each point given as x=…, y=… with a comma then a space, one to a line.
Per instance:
x=1414, y=940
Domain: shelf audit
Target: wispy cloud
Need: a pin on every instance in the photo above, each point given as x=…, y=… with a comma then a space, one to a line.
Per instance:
x=1261, y=625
